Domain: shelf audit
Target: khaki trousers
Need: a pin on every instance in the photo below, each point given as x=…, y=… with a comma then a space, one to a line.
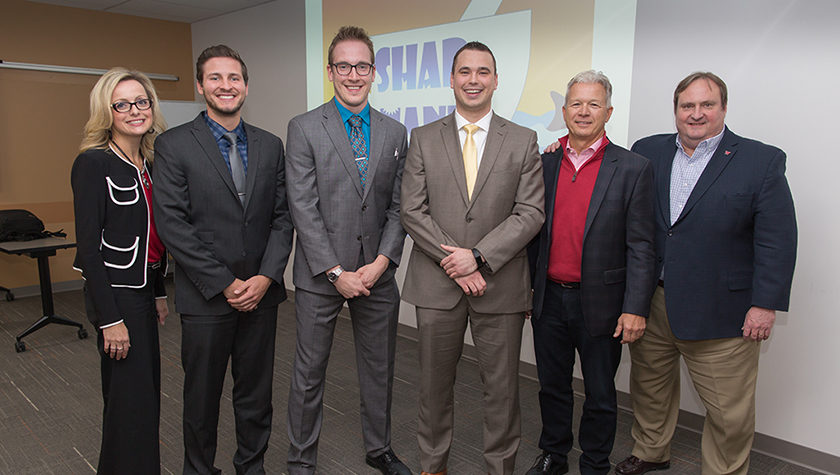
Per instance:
x=724, y=373
x=497, y=339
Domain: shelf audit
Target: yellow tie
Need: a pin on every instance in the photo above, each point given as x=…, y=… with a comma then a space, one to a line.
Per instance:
x=470, y=158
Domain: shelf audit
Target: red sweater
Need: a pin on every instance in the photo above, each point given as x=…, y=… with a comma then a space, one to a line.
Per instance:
x=571, y=203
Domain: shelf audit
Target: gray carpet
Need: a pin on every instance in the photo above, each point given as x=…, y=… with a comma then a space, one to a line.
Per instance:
x=51, y=404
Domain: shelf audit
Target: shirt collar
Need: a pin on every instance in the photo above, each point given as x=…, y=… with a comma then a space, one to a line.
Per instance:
x=707, y=146
x=219, y=131
x=346, y=114
x=596, y=145
x=482, y=123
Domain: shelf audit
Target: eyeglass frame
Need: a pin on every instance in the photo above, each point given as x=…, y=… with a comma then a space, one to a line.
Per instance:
x=135, y=104
x=352, y=67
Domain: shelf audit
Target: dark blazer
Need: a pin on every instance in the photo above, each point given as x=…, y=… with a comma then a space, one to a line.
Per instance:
x=112, y=229
x=617, y=264
x=336, y=221
x=733, y=246
x=212, y=237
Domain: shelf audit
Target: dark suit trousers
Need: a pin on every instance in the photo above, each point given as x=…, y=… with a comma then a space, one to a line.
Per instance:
x=207, y=343
x=557, y=333
x=374, y=321
x=131, y=388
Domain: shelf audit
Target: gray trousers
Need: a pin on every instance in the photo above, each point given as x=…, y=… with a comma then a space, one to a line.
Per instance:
x=375, y=320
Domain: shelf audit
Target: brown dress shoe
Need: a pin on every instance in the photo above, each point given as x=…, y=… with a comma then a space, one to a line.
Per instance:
x=633, y=465
x=437, y=473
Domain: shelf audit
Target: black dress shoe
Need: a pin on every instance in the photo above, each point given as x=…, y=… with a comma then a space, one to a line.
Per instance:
x=633, y=465
x=548, y=464
x=388, y=464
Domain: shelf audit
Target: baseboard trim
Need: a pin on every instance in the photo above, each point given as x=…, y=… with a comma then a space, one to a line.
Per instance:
x=768, y=445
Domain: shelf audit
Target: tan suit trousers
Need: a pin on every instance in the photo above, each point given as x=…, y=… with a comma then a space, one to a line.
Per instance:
x=724, y=373
x=497, y=339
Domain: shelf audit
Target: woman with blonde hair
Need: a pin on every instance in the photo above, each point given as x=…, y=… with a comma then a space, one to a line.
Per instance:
x=123, y=263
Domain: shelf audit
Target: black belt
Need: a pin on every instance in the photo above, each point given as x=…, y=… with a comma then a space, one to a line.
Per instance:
x=153, y=265
x=567, y=285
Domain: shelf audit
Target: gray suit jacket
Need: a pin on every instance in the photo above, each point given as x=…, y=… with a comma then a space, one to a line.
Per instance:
x=505, y=212
x=336, y=222
x=205, y=227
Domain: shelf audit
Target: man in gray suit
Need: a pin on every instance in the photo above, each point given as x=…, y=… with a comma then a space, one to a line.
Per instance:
x=472, y=199
x=220, y=208
x=345, y=162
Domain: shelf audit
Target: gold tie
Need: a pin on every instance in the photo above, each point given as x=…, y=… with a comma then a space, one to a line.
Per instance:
x=470, y=155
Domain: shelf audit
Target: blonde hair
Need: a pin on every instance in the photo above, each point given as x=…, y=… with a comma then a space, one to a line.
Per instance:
x=98, y=127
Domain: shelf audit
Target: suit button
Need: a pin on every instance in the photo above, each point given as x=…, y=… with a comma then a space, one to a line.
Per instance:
x=469, y=219
x=364, y=207
x=358, y=238
x=243, y=253
x=670, y=233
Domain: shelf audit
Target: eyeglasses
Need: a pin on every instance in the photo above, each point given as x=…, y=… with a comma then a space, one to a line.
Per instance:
x=141, y=105
x=343, y=69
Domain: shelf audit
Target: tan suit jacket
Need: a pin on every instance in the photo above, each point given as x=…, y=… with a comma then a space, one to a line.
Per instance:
x=505, y=212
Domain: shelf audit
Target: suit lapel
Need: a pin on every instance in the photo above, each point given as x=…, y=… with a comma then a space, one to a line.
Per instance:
x=375, y=149
x=254, y=157
x=602, y=183
x=338, y=135
x=552, y=170
x=452, y=145
x=492, y=147
x=665, y=165
x=205, y=139
x=725, y=152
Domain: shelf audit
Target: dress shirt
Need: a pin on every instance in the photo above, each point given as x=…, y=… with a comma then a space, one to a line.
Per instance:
x=224, y=145
x=686, y=170
x=479, y=136
x=579, y=159
x=364, y=114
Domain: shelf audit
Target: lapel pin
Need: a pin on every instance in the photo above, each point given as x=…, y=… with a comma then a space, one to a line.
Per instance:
x=726, y=152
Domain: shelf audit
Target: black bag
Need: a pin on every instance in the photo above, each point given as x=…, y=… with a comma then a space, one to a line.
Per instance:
x=21, y=225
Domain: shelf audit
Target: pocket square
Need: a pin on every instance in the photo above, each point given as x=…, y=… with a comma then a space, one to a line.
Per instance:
x=396, y=153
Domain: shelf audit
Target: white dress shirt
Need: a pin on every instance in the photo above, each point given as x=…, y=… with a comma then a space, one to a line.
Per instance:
x=479, y=136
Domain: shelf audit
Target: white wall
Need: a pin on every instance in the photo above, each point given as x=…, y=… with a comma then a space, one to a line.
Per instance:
x=779, y=59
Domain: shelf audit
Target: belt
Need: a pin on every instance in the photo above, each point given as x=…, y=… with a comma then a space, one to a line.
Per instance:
x=661, y=283
x=568, y=285
x=153, y=265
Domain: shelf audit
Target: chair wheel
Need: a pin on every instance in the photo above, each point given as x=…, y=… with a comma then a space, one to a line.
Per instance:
x=82, y=333
x=9, y=296
x=20, y=347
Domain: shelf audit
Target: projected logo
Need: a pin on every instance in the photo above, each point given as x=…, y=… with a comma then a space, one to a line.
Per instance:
x=413, y=66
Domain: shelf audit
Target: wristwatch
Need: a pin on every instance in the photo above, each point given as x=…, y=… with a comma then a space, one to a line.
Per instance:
x=479, y=261
x=332, y=275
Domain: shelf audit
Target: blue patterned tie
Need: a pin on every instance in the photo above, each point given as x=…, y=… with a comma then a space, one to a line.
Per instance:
x=357, y=139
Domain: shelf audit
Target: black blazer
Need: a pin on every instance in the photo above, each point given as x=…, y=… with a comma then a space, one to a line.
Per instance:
x=212, y=237
x=733, y=246
x=112, y=229
x=617, y=265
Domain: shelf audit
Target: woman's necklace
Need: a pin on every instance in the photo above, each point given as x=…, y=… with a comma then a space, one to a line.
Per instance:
x=142, y=170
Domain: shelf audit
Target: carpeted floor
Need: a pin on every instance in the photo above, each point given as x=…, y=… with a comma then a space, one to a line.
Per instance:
x=51, y=404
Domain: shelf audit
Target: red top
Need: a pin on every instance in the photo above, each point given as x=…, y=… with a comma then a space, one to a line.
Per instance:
x=571, y=203
x=156, y=248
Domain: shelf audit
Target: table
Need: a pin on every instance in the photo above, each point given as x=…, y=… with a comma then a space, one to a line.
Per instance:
x=42, y=249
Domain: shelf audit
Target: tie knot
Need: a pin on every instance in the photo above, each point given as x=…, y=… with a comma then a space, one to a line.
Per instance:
x=470, y=128
x=231, y=137
x=355, y=121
